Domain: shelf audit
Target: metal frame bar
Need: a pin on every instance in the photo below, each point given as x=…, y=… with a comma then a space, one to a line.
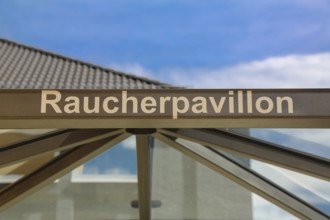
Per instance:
x=249, y=147
x=246, y=178
x=143, y=152
x=160, y=122
x=309, y=108
x=55, y=169
x=51, y=142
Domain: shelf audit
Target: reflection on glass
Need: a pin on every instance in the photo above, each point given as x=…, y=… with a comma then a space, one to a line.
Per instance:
x=189, y=190
x=313, y=141
x=77, y=201
x=10, y=136
x=314, y=191
x=263, y=209
x=86, y=196
x=12, y=173
x=117, y=165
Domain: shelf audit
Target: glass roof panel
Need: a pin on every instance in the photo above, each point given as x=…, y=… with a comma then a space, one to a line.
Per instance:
x=10, y=136
x=118, y=164
x=312, y=190
x=187, y=189
x=77, y=201
x=317, y=198
x=93, y=191
x=182, y=188
x=14, y=172
x=263, y=209
x=312, y=141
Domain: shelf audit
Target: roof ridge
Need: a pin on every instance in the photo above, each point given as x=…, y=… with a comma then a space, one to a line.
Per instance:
x=92, y=65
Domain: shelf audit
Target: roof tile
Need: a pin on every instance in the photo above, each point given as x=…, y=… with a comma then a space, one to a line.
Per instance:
x=25, y=67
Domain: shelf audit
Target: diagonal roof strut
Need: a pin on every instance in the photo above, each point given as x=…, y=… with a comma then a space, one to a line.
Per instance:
x=54, y=169
x=51, y=142
x=246, y=178
x=259, y=150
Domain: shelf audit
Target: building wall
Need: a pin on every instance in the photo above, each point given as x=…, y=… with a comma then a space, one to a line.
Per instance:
x=189, y=190
x=184, y=188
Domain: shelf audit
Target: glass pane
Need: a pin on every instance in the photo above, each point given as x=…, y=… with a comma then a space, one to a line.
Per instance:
x=313, y=141
x=263, y=209
x=94, y=193
x=10, y=136
x=119, y=165
x=189, y=190
x=314, y=191
x=12, y=173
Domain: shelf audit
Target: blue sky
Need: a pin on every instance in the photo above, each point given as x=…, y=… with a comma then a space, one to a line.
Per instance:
x=194, y=43
x=165, y=38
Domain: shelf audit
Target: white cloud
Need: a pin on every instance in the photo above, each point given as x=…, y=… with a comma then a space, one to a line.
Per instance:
x=131, y=68
x=317, y=186
x=117, y=171
x=312, y=190
x=320, y=136
x=301, y=139
x=291, y=71
x=266, y=210
x=129, y=143
x=295, y=182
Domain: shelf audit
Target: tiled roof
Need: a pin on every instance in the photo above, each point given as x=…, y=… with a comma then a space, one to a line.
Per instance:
x=25, y=67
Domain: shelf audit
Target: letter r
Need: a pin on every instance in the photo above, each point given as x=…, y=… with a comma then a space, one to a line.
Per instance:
x=52, y=102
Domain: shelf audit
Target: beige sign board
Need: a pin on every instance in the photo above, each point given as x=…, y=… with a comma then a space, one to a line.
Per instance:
x=169, y=108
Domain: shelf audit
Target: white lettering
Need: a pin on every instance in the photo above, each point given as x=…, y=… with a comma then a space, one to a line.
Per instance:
x=125, y=100
x=249, y=101
x=270, y=104
x=176, y=108
x=200, y=106
x=289, y=101
x=240, y=101
x=162, y=101
x=52, y=102
x=148, y=105
x=106, y=105
x=217, y=107
x=231, y=102
x=120, y=104
x=95, y=109
x=73, y=105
